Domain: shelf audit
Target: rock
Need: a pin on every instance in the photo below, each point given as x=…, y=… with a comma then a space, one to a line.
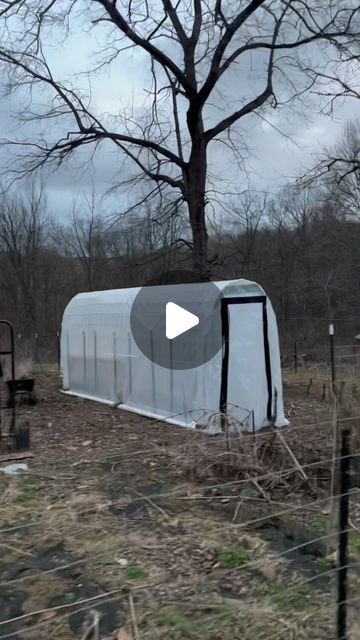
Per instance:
x=122, y=634
x=14, y=469
x=267, y=569
x=123, y=562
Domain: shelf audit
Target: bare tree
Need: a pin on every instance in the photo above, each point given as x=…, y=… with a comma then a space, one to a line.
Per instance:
x=148, y=243
x=192, y=48
x=339, y=172
x=246, y=217
x=23, y=236
x=233, y=238
x=85, y=240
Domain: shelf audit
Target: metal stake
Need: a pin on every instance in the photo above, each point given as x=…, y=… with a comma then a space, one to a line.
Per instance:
x=345, y=462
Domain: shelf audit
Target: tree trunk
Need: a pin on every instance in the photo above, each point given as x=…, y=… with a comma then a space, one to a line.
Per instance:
x=195, y=185
x=200, y=239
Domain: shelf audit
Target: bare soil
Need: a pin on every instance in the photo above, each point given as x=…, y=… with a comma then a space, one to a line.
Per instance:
x=169, y=533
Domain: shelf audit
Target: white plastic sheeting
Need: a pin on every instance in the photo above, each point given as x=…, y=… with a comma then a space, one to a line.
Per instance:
x=101, y=361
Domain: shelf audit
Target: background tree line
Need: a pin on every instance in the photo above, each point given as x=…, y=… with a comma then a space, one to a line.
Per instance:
x=302, y=246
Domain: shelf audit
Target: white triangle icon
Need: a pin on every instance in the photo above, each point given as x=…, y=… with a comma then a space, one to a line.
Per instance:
x=178, y=320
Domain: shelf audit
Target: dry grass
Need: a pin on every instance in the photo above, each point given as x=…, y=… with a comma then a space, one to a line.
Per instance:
x=116, y=504
x=281, y=461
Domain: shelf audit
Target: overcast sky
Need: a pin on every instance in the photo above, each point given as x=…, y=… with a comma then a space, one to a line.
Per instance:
x=281, y=143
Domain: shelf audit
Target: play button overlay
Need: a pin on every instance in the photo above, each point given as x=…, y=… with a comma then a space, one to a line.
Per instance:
x=176, y=321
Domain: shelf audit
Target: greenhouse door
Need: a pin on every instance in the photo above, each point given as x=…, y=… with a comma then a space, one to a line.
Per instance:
x=246, y=387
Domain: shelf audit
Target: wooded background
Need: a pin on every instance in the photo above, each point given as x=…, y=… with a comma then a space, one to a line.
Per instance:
x=302, y=246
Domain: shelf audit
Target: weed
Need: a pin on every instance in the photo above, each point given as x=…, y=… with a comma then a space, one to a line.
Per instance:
x=211, y=622
x=327, y=562
x=177, y=622
x=26, y=493
x=233, y=557
x=354, y=543
x=320, y=523
x=289, y=599
x=134, y=572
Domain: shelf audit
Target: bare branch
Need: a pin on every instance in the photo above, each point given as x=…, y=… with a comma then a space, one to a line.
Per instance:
x=158, y=55
x=230, y=31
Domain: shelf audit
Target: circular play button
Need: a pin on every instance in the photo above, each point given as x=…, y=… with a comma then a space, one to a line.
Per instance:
x=178, y=324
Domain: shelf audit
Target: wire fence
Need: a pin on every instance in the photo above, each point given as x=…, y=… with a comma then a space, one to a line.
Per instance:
x=257, y=522
x=308, y=337
x=173, y=534
x=304, y=342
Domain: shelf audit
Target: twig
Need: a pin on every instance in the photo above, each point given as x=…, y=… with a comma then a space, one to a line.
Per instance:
x=2, y=498
x=16, y=550
x=260, y=489
x=133, y=617
x=353, y=526
x=153, y=504
x=238, y=507
x=16, y=456
x=292, y=455
x=229, y=498
x=93, y=632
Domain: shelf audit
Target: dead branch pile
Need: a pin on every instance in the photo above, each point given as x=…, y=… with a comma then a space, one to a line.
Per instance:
x=286, y=459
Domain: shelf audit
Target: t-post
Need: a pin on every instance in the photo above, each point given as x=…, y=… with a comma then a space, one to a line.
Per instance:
x=332, y=358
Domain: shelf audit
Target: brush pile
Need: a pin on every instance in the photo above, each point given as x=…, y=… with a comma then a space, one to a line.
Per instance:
x=278, y=460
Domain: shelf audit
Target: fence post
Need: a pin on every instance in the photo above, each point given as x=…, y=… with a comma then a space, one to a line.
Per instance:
x=171, y=373
x=345, y=463
x=58, y=350
x=152, y=368
x=95, y=364
x=130, y=364
x=115, y=367
x=332, y=359
x=84, y=359
x=355, y=359
x=295, y=357
x=36, y=349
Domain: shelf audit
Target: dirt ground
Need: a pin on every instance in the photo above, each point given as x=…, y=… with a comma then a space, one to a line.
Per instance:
x=168, y=533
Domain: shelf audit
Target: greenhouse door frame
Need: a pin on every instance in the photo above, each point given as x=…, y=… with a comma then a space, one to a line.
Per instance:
x=225, y=323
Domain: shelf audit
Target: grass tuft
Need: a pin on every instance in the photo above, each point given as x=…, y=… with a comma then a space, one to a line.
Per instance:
x=26, y=493
x=135, y=572
x=233, y=557
x=354, y=543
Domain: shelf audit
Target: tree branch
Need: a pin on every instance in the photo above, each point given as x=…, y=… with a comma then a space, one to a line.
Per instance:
x=158, y=55
x=156, y=176
x=230, y=31
x=256, y=102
